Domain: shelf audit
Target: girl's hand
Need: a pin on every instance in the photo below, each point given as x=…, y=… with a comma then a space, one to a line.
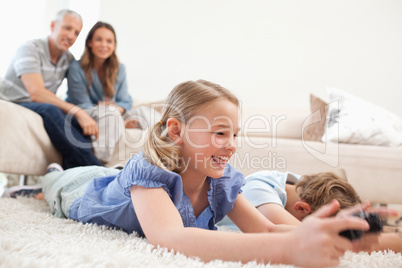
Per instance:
x=317, y=241
x=383, y=212
x=370, y=240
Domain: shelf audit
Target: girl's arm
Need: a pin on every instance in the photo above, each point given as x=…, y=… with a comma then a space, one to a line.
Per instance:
x=277, y=214
x=314, y=243
x=250, y=220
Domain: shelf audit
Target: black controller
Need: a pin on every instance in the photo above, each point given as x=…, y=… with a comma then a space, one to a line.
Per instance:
x=373, y=220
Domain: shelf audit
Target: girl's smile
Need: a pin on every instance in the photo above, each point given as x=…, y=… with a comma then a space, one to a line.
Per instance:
x=220, y=161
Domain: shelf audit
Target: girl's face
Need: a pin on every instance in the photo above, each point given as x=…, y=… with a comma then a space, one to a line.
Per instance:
x=103, y=43
x=209, y=139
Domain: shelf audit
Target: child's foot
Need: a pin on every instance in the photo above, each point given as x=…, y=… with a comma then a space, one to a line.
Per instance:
x=40, y=196
x=25, y=190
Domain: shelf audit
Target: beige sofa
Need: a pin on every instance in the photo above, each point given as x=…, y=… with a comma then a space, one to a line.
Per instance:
x=270, y=139
x=374, y=171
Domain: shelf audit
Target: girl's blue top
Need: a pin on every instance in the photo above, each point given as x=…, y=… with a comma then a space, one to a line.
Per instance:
x=78, y=94
x=107, y=200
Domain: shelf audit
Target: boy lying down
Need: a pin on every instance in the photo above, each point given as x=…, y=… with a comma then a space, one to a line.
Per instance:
x=287, y=198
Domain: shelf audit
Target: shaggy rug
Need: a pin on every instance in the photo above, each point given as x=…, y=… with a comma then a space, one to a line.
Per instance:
x=31, y=237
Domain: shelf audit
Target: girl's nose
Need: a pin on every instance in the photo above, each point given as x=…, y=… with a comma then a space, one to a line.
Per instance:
x=231, y=145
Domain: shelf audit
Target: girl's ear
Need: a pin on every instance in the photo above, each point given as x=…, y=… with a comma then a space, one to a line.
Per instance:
x=174, y=127
x=302, y=208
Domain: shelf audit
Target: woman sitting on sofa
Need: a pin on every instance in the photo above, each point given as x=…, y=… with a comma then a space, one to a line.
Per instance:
x=98, y=84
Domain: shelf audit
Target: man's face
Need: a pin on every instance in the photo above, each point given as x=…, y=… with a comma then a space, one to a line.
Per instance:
x=65, y=32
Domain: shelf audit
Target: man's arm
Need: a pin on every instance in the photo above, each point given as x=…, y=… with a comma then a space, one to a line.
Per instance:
x=35, y=86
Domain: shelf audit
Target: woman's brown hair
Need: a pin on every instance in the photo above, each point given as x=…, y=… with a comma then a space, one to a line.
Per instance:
x=110, y=66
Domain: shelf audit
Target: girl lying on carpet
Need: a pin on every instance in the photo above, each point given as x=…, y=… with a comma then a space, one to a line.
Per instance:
x=181, y=185
x=287, y=198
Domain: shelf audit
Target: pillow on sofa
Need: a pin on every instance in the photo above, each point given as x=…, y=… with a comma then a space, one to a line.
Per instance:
x=353, y=120
x=315, y=128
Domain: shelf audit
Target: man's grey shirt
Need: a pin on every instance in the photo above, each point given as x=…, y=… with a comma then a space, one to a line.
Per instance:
x=33, y=57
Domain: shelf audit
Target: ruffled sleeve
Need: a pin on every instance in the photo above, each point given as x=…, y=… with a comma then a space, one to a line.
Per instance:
x=139, y=172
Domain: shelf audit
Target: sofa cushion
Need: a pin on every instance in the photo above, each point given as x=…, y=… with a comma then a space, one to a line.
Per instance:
x=315, y=127
x=25, y=145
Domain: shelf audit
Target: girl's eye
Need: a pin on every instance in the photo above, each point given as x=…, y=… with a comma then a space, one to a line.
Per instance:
x=223, y=133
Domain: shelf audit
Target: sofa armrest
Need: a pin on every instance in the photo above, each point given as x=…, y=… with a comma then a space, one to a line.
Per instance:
x=25, y=146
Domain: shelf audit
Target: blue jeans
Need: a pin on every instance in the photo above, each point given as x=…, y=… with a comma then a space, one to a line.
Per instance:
x=66, y=135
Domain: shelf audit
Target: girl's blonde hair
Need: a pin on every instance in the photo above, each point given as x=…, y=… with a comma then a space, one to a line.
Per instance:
x=110, y=66
x=321, y=188
x=182, y=103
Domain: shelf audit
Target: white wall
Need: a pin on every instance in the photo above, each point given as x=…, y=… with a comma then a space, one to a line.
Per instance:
x=268, y=52
x=18, y=25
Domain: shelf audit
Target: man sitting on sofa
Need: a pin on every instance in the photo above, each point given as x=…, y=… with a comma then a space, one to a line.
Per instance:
x=32, y=79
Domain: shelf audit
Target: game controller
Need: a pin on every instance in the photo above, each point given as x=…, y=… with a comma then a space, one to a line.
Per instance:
x=373, y=220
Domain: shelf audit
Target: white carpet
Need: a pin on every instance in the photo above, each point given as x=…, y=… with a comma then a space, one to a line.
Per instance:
x=31, y=237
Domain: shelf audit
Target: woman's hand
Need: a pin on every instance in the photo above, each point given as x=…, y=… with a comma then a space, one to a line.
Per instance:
x=132, y=123
x=112, y=104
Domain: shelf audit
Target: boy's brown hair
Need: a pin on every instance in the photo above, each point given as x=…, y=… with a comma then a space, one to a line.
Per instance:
x=321, y=188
